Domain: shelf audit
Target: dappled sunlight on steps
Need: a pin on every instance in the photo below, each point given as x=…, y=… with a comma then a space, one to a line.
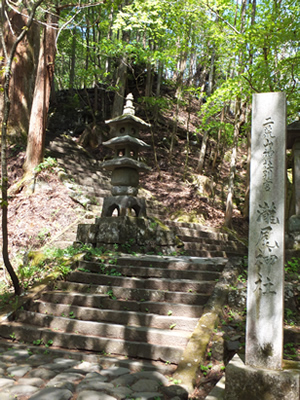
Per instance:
x=140, y=307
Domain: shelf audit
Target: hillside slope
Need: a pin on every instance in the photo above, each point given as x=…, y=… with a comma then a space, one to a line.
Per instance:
x=36, y=219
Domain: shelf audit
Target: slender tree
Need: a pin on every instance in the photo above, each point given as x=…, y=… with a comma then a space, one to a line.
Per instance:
x=41, y=98
x=9, y=58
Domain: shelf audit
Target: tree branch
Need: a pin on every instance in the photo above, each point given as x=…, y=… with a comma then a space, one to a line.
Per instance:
x=222, y=19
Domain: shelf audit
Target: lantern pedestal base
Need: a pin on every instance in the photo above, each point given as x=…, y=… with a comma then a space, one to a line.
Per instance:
x=141, y=235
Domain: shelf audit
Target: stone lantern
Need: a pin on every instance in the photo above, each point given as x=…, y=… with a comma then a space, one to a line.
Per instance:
x=125, y=165
x=132, y=229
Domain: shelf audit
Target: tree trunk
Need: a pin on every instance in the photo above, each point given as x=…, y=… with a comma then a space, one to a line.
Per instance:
x=211, y=74
x=229, y=202
x=73, y=59
x=202, y=152
x=40, y=106
x=149, y=77
x=4, y=189
x=219, y=140
x=237, y=126
x=21, y=90
x=9, y=57
x=160, y=70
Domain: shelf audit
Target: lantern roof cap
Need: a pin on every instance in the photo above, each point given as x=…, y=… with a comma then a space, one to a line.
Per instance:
x=128, y=114
x=125, y=162
x=126, y=139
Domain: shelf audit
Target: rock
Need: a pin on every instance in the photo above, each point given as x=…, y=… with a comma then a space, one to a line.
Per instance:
x=42, y=373
x=38, y=382
x=115, y=372
x=5, y=382
x=217, y=348
x=238, y=298
x=52, y=393
x=175, y=391
x=21, y=390
x=145, y=385
x=92, y=395
x=146, y=396
x=18, y=371
x=94, y=384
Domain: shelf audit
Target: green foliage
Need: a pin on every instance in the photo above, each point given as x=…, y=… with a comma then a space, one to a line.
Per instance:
x=111, y=295
x=292, y=266
x=49, y=163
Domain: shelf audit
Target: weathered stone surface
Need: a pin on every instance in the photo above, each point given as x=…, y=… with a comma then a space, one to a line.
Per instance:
x=42, y=373
x=121, y=392
x=16, y=355
x=217, y=348
x=94, y=384
x=264, y=341
x=153, y=375
x=247, y=383
x=176, y=391
x=65, y=377
x=125, y=204
x=141, y=234
x=294, y=224
x=124, y=380
x=61, y=364
x=4, y=382
x=115, y=372
x=145, y=385
x=18, y=371
x=92, y=395
x=146, y=395
x=96, y=375
x=89, y=367
x=21, y=390
x=52, y=394
x=38, y=382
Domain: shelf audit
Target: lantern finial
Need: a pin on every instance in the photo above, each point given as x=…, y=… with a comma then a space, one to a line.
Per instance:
x=129, y=107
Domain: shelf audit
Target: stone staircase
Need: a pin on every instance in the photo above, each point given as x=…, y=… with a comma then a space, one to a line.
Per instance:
x=201, y=241
x=143, y=307
x=138, y=307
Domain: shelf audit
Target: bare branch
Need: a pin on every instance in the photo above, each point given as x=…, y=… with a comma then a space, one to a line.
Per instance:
x=66, y=24
x=9, y=24
x=222, y=19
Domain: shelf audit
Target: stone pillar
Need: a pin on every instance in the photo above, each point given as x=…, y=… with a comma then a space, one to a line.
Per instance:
x=265, y=375
x=265, y=298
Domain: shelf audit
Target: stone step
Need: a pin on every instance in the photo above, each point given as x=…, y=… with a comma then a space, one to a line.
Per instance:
x=143, y=307
x=214, y=247
x=206, y=253
x=137, y=294
x=103, y=301
x=69, y=340
x=198, y=233
x=148, y=272
x=123, y=317
x=192, y=225
x=163, y=284
x=109, y=331
x=173, y=262
x=209, y=241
